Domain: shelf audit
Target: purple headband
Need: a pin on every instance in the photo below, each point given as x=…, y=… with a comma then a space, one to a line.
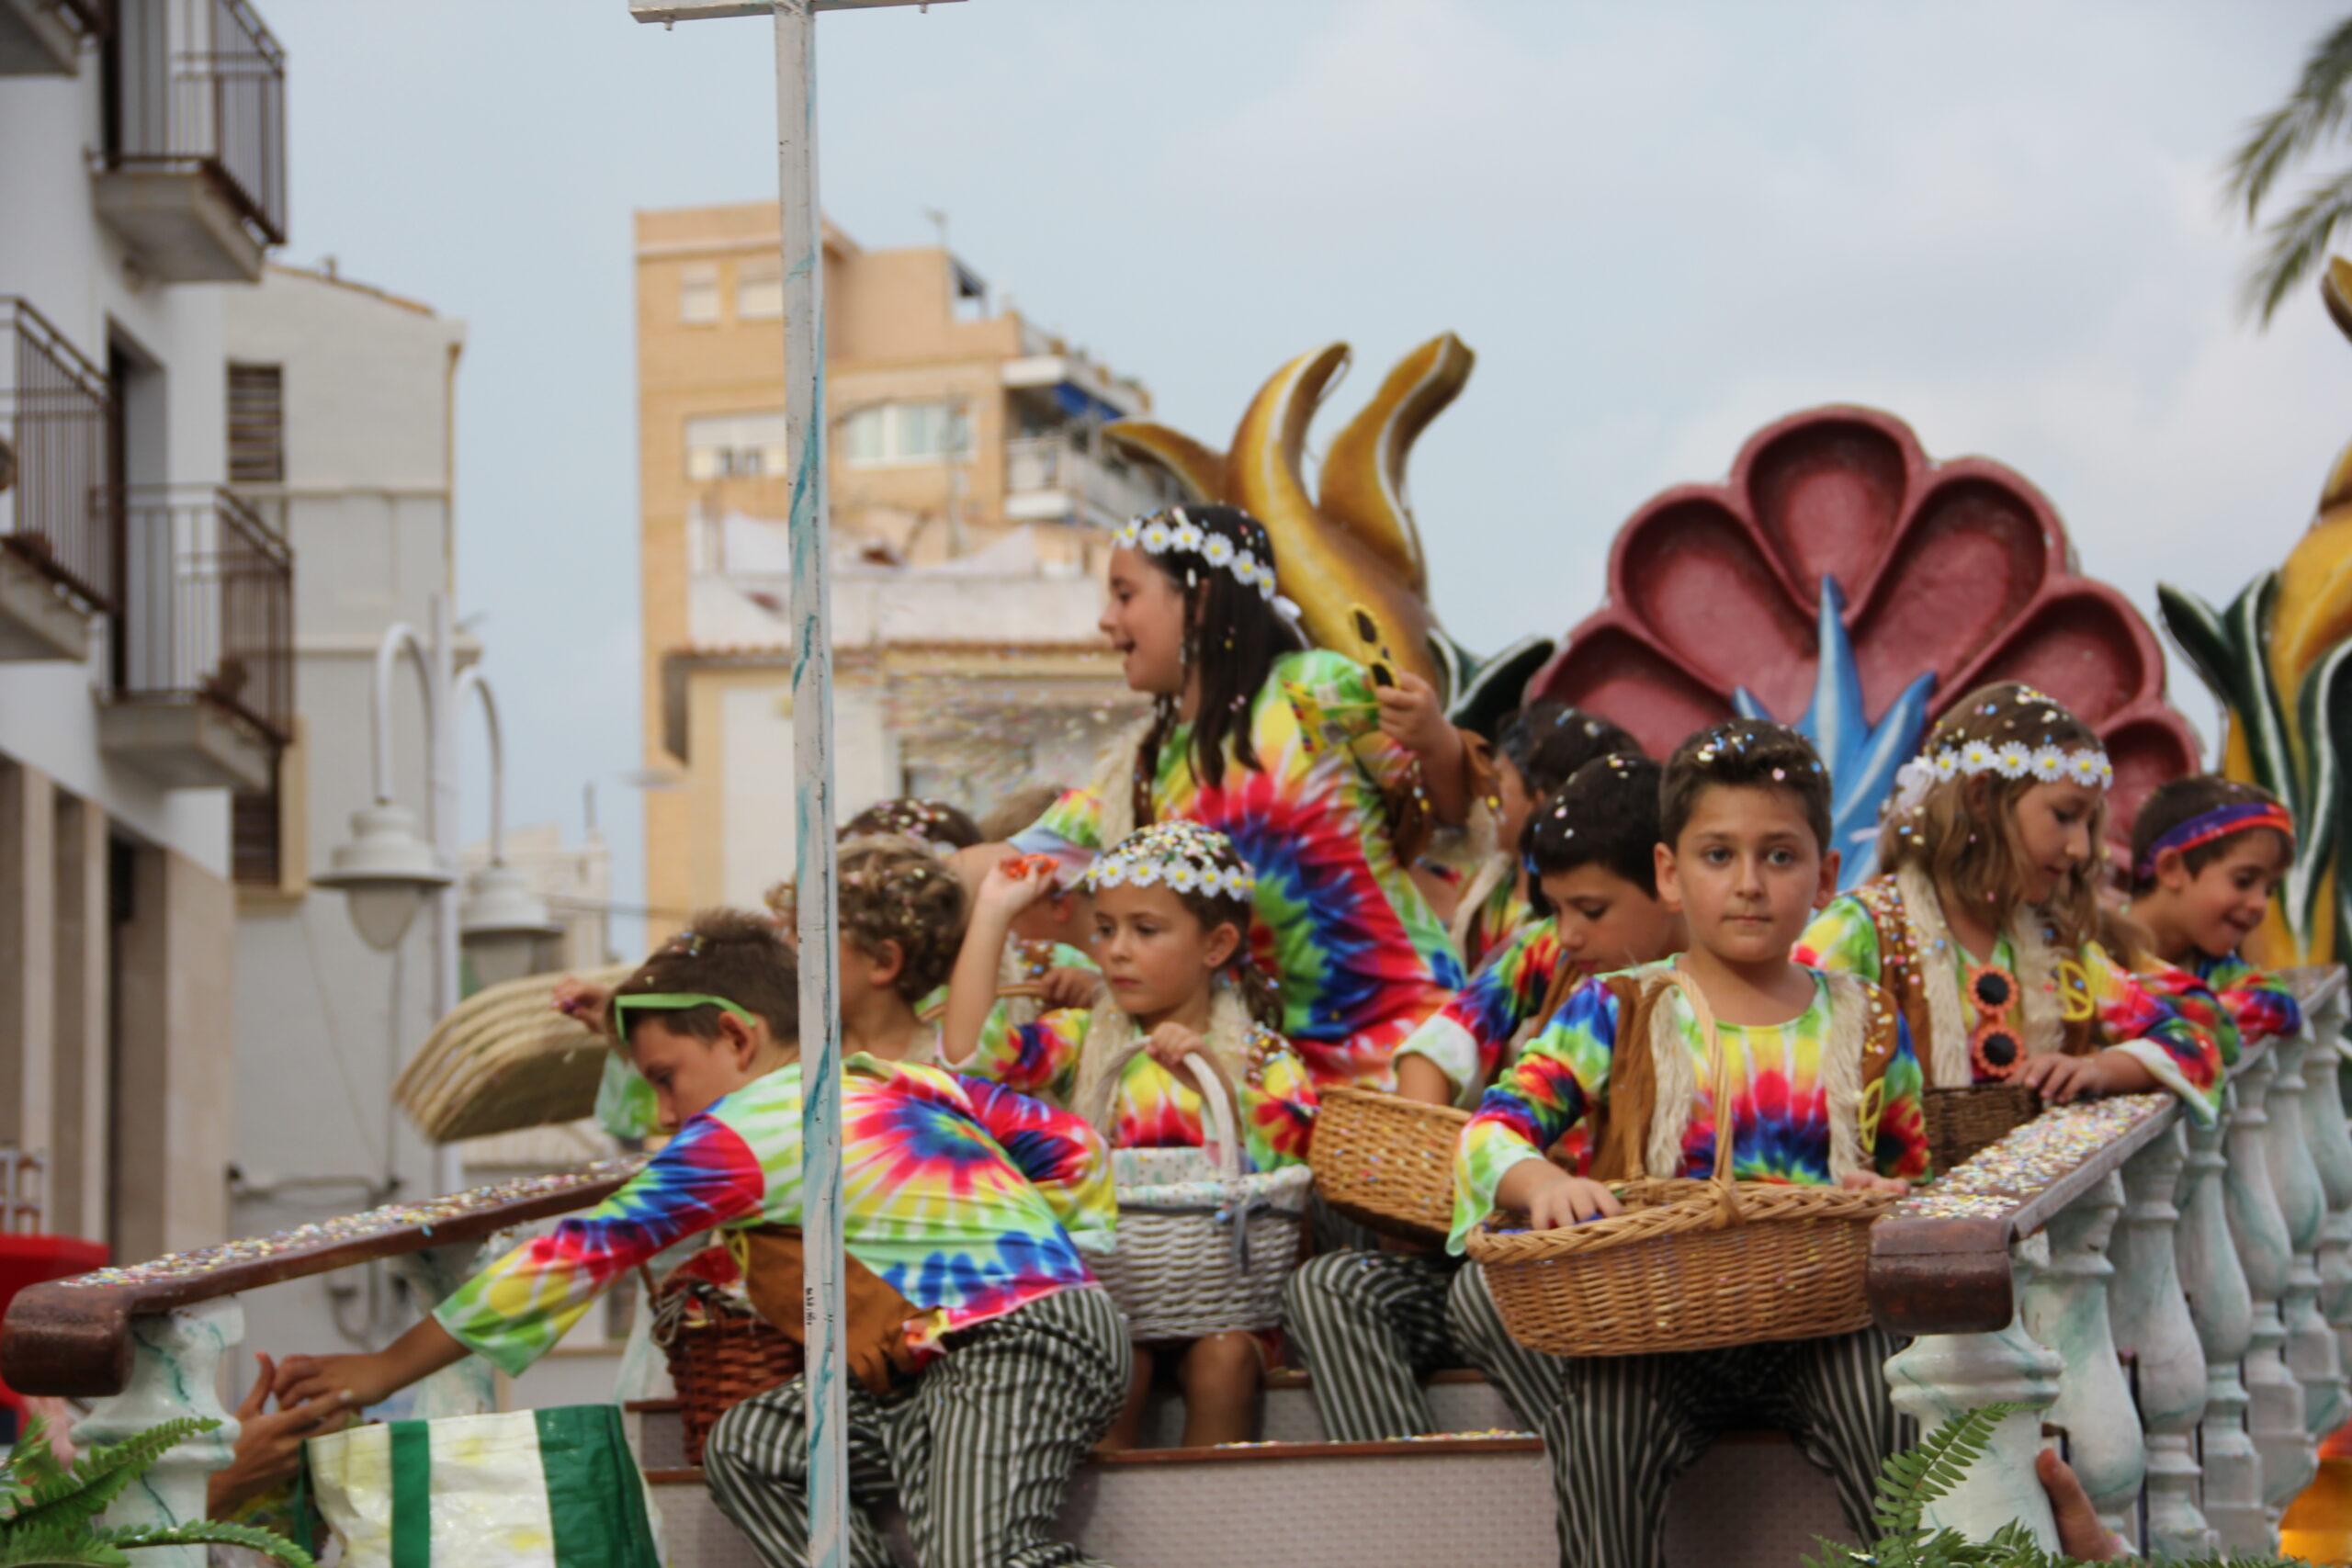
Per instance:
x=2221, y=822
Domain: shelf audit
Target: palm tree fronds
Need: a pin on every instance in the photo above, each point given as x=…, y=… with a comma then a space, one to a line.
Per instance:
x=2296, y=243
x=2317, y=107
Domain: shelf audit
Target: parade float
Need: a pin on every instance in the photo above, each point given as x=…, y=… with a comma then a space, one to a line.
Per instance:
x=2177, y=1299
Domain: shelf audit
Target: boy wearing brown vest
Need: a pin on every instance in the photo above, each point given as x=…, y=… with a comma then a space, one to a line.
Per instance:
x=1824, y=1091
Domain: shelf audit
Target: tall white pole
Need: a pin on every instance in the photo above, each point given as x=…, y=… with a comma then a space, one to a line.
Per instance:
x=441, y=769
x=812, y=757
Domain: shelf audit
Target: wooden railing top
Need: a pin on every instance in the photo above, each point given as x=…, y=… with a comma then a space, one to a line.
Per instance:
x=1939, y=1262
x=72, y=1338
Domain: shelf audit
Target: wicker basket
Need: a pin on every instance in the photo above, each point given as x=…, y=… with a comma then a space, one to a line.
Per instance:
x=1387, y=1162
x=1965, y=1121
x=1690, y=1265
x=1202, y=1248
x=720, y=1351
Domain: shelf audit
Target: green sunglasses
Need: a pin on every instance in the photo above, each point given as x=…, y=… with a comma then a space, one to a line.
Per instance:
x=668, y=1001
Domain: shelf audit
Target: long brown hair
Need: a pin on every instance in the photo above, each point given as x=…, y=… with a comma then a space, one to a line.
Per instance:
x=1964, y=834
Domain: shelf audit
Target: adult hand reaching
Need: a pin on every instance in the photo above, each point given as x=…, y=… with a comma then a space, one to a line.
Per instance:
x=269, y=1442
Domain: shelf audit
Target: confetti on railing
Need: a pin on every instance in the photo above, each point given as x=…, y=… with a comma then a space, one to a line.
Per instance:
x=346, y=1228
x=1999, y=1178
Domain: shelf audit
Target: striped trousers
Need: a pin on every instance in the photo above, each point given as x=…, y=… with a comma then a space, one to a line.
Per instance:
x=980, y=1453
x=1624, y=1426
x=1371, y=1326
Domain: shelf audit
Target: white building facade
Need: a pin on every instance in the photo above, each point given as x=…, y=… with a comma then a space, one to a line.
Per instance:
x=146, y=674
x=348, y=395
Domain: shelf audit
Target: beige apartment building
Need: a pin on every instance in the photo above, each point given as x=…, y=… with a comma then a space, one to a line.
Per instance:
x=972, y=501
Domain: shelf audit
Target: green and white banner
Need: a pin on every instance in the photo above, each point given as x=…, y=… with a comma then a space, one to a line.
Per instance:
x=528, y=1489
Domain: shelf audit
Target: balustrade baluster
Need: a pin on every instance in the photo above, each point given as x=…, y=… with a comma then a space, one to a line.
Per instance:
x=2221, y=1303
x=2311, y=1350
x=2331, y=1145
x=1938, y=1376
x=2150, y=1317
x=471, y=1387
x=2063, y=1303
x=175, y=1361
x=2274, y=1399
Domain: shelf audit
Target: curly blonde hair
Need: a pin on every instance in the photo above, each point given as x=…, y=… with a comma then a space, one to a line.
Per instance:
x=895, y=888
x=1964, y=834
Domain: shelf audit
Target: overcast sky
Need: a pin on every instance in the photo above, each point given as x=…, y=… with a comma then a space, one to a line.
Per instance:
x=1659, y=226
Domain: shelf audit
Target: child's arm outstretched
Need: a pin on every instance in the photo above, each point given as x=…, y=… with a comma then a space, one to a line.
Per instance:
x=513, y=1312
x=1011, y=886
x=1453, y=1052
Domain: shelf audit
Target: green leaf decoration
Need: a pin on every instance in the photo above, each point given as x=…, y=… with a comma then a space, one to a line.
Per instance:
x=101, y=1475
x=1911, y=1481
x=210, y=1532
x=54, y=1543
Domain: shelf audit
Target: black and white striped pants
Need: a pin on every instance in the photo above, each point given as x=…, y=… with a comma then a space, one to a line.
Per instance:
x=980, y=1453
x=1371, y=1326
x=1624, y=1426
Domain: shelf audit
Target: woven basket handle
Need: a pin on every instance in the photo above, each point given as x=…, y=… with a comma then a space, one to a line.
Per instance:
x=1719, y=1087
x=1217, y=1103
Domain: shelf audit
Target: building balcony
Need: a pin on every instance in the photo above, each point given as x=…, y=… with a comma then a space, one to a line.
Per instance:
x=58, y=523
x=44, y=38
x=204, y=674
x=1051, y=479
x=193, y=176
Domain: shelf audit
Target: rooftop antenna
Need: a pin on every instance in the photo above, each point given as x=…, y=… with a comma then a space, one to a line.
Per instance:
x=803, y=253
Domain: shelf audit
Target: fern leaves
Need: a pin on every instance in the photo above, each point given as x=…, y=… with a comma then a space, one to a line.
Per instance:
x=48, y=1512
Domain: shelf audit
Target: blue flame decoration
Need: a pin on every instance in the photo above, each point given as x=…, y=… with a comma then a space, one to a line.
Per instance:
x=1861, y=757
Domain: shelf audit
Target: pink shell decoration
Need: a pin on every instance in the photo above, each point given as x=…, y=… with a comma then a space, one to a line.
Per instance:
x=1959, y=567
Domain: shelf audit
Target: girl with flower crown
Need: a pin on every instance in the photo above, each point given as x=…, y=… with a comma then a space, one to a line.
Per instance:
x=1172, y=909
x=1324, y=777
x=1985, y=922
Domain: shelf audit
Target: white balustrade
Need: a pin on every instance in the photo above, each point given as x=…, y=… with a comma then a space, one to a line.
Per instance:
x=2065, y=1306
x=2152, y=1325
x=2222, y=1305
x=175, y=1361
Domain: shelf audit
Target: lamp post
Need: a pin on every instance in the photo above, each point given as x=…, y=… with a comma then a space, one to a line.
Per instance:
x=389, y=873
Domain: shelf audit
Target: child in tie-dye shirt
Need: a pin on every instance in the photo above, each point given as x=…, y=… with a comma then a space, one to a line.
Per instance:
x=1371, y=1322
x=1985, y=922
x=1171, y=902
x=2207, y=854
x=1824, y=1091
x=966, y=1213
x=1323, y=773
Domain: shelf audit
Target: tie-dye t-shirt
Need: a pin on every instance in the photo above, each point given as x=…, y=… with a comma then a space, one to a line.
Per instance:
x=1471, y=1036
x=2258, y=1001
x=2164, y=1018
x=972, y=1201
x=1361, y=956
x=1155, y=1109
x=1782, y=1131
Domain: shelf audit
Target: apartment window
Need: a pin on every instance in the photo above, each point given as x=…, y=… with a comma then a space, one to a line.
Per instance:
x=905, y=432
x=256, y=857
x=735, y=447
x=759, y=291
x=699, y=294
x=256, y=425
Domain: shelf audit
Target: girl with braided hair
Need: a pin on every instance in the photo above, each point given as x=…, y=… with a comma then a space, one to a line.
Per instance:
x=1325, y=775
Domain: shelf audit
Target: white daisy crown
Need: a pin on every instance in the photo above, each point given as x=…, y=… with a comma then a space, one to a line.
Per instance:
x=2020, y=754
x=1181, y=856
x=1176, y=531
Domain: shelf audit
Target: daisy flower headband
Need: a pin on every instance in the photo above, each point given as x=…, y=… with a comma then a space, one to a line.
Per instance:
x=1182, y=857
x=1174, y=532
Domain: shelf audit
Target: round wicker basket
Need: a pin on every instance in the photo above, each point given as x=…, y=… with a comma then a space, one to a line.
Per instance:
x=1203, y=1248
x=1387, y=1162
x=1690, y=1265
x=720, y=1351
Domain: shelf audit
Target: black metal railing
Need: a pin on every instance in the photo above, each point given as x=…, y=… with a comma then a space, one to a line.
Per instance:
x=60, y=514
x=199, y=86
x=209, y=611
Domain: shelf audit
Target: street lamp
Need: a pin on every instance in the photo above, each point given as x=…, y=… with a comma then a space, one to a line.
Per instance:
x=389, y=873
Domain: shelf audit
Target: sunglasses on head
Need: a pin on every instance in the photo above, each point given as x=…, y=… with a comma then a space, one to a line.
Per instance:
x=668, y=1001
